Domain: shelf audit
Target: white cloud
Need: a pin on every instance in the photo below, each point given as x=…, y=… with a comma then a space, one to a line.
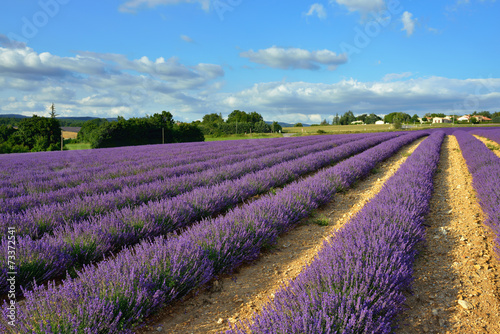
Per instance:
x=408, y=23
x=284, y=101
x=396, y=76
x=317, y=9
x=92, y=83
x=294, y=58
x=131, y=6
x=362, y=6
x=187, y=39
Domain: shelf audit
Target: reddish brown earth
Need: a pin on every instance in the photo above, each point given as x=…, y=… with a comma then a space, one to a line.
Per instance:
x=237, y=297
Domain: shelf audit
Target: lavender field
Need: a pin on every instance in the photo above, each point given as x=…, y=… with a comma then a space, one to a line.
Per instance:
x=102, y=241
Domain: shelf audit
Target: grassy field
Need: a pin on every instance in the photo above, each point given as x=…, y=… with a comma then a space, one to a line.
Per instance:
x=69, y=134
x=243, y=136
x=341, y=129
x=78, y=146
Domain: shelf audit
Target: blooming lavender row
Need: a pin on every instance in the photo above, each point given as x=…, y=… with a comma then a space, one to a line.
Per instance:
x=493, y=134
x=117, y=293
x=484, y=166
x=109, y=163
x=355, y=283
x=100, y=186
x=15, y=163
x=66, y=178
x=36, y=221
x=77, y=244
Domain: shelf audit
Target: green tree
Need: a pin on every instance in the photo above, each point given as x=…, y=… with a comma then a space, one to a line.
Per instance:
x=237, y=116
x=210, y=119
x=88, y=129
x=474, y=120
x=362, y=118
x=372, y=118
x=414, y=118
x=275, y=127
x=40, y=133
x=483, y=113
x=53, y=111
x=324, y=122
x=347, y=118
x=298, y=125
x=402, y=117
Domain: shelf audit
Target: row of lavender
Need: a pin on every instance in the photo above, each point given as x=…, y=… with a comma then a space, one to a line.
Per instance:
x=356, y=282
x=36, y=221
x=76, y=244
x=490, y=134
x=113, y=165
x=484, y=166
x=117, y=293
x=175, y=166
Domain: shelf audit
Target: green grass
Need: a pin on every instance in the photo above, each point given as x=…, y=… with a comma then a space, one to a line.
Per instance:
x=78, y=146
x=243, y=136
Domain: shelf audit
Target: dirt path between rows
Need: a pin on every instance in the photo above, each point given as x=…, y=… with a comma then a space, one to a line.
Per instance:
x=493, y=146
x=456, y=287
x=234, y=298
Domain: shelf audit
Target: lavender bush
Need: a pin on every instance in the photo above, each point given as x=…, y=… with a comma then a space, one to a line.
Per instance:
x=119, y=292
x=76, y=244
x=355, y=283
x=484, y=166
x=36, y=221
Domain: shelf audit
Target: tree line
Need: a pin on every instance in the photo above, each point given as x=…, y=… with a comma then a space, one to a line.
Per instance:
x=238, y=122
x=155, y=129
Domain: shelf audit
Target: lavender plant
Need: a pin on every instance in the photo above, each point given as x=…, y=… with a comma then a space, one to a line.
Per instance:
x=355, y=283
x=119, y=292
x=76, y=244
x=484, y=166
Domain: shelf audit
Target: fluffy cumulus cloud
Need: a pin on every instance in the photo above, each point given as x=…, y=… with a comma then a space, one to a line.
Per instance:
x=318, y=10
x=294, y=58
x=96, y=83
x=302, y=101
x=408, y=23
x=362, y=6
x=131, y=6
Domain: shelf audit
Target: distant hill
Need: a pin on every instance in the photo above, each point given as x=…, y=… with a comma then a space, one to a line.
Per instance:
x=287, y=125
x=61, y=118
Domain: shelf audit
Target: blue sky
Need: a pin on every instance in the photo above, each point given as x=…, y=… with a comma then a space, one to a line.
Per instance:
x=290, y=61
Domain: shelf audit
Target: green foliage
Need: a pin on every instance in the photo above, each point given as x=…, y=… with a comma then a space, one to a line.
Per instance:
x=400, y=116
x=34, y=134
x=39, y=133
x=474, y=120
x=496, y=119
x=142, y=131
x=347, y=118
x=275, y=127
x=210, y=119
x=298, y=125
x=324, y=122
x=415, y=119
x=321, y=131
x=372, y=118
x=86, y=133
x=242, y=117
x=483, y=113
